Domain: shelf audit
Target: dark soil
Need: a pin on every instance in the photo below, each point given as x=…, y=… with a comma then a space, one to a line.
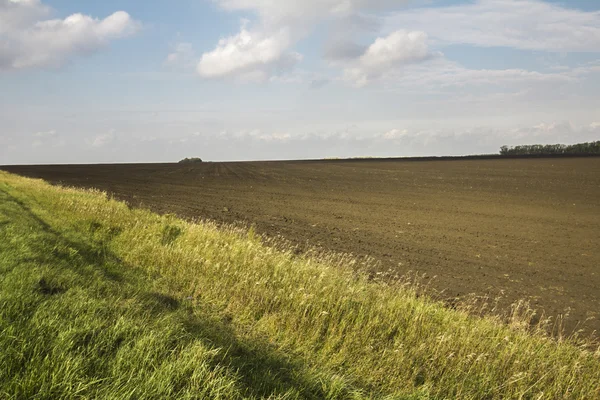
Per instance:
x=522, y=228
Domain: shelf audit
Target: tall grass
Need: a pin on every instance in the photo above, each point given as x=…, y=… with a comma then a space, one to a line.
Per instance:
x=267, y=322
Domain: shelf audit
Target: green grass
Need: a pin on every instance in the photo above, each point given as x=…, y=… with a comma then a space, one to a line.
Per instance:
x=101, y=301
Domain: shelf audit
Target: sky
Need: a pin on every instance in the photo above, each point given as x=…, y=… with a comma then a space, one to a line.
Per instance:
x=131, y=81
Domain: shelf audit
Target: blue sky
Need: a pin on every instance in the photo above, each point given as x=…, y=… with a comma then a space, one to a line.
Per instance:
x=131, y=81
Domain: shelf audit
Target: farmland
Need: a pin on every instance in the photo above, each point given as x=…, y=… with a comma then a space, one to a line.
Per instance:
x=104, y=301
x=515, y=228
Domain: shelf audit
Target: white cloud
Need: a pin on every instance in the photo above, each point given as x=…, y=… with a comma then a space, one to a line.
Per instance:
x=387, y=54
x=400, y=47
x=395, y=134
x=405, y=141
x=439, y=74
x=249, y=55
x=524, y=24
x=553, y=132
x=49, y=138
x=564, y=132
x=31, y=41
x=256, y=135
x=182, y=56
x=343, y=39
x=588, y=68
x=45, y=134
x=408, y=37
x=443, y=73
x=290, y=11
x=104, y=139
x=263, y=52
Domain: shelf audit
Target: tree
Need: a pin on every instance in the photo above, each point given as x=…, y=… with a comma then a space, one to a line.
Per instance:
x=190, y=160
x=551, y=149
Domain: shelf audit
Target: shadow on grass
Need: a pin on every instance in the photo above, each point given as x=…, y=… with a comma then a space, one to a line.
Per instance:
x=93, y=255
x=262, y=370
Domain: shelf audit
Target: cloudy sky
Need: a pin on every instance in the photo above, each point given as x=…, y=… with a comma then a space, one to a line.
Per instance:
x=133, y=81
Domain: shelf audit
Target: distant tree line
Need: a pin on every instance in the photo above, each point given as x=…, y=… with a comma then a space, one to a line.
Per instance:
x=550, y=149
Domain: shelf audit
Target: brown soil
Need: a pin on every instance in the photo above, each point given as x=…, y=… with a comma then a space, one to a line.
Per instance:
x=527, y=228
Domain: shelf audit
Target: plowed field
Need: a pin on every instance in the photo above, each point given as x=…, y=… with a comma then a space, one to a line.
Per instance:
x=526, y=228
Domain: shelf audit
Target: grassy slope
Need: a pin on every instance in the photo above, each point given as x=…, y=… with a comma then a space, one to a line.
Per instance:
x=100, y=301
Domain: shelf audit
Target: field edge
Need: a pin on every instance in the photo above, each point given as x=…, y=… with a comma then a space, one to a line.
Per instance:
x=374, y=337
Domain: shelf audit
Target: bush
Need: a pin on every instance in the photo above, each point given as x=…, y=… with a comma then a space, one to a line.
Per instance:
x=190, y=160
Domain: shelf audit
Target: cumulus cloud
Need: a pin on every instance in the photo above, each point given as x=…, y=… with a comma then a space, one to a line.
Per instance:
x=264, y=51
x=30, y=40
x=249, y=55
x=387, y=54
x=400, y=59
x=406, y=37
x=528, y=24
x=524, y=24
